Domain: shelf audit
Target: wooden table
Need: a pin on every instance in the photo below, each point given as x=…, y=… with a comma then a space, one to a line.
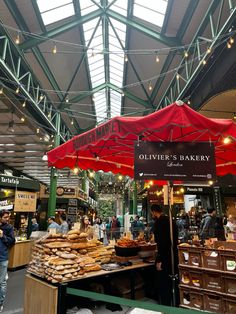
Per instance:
x=38, y=291
x=19, y=254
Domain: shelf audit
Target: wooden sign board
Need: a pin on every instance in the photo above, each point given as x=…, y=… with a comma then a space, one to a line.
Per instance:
x=25, y=201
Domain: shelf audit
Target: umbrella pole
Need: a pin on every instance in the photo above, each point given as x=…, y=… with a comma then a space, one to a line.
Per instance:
x=173, y=275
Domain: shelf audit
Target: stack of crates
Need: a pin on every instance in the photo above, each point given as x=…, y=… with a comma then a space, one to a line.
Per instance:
x=208, y=277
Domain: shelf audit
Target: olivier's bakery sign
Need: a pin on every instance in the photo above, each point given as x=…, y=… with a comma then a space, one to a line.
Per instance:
x=174, y=161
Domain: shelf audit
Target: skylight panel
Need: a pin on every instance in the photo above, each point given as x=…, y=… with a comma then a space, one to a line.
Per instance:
x=55, y=10
x=115, y=111
x=87, y=6
x=120, y=6
x=154, y=14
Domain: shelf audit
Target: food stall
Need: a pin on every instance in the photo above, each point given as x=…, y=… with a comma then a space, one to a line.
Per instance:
x=19, y=197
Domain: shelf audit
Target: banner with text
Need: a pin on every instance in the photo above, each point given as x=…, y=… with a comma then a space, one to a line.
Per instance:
x=174, y=161
x=25, y=201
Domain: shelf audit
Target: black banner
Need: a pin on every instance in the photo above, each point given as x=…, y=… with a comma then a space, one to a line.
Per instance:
x=174, y=161
x=19, y=183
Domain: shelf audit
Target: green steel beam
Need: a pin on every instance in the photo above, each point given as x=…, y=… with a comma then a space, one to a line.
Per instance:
x=170, y=42
x=167, y=16
x=186, y=20
x=130, y=10
x=105, y=35
x=186, y=83
x=38, y=15
x=131, y=96
x=28, y=44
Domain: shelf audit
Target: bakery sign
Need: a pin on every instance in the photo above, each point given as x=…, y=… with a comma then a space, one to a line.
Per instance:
x=25, y=201
x=174, y=161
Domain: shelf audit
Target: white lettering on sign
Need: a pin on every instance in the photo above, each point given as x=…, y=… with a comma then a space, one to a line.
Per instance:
x=165, y=157
x=10, y=180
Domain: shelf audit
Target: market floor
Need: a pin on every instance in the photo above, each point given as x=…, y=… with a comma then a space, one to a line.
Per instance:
x=14, y=301
x=15, y=292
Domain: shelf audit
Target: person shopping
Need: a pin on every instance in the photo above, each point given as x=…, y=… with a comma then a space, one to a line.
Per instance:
x=6, y=240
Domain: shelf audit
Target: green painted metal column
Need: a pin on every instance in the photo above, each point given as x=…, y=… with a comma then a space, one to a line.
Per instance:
x=54, y=174
x=135, y=196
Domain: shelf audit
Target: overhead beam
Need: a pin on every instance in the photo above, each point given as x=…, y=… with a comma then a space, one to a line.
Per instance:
x=28, y=44
x=168, y=41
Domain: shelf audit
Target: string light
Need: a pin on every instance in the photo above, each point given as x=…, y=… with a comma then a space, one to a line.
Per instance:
x=177, y=76
x=157, y=59
x=17, y=40
x=1, y=91
x=208, y=50
x=150, y=86
x=67, y=99
x=227, y=140
x=229, y=45
x=210, y=182
x=122, y=94
x=37, y=131
x=186, y=54
x=188, y=102
x=41, y=97
x=72, y=122
x=17, y=90
x=54, y=50
x=231, y=40
x=204, y=62
x=22, y=119
x=24, y=104
x=126, y=58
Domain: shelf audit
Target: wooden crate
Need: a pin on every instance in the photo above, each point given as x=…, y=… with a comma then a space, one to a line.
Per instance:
x=213, y=281
x=213, y=302
x=40, y=297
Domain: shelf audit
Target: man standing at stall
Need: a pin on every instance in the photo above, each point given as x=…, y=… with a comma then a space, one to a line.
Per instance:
x=163, y=262
x=6, y=240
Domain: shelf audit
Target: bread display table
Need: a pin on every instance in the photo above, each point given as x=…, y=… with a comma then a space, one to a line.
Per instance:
x=19, y=254
x=53, y=296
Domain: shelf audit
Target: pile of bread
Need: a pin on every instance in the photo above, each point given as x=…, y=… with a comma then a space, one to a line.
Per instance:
x=59, y=258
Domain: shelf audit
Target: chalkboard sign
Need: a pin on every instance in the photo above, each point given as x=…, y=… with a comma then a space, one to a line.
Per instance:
x=72, y=210
x=73, y=218
x=73, y=202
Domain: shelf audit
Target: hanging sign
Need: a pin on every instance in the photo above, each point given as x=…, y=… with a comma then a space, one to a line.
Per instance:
x=25, y=201
x=174, y=161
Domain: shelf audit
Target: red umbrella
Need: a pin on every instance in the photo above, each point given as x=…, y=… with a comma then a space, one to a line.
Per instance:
x=110, y=146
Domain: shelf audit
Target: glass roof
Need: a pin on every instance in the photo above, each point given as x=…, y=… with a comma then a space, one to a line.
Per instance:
x=107, y=102
x=55, y=10
x=153, y=13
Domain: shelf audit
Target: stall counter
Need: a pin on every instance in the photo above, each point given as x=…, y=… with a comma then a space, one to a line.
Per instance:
x=19, y=254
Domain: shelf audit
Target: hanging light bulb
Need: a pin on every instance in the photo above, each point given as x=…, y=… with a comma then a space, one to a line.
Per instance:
x=22, y=119
x=227, y=140
x=17, y=89
x=17, y=40
x=41, y=97
x=229, y=45
x=54, y=50
x=45, y=157
x=157, y=59
x=210, y=182
x=204, y=62
x=126, y=58
x=150, y=86
x=120, y=177
x=37, y=130
x=24, y=104
x=67, y=99
x=208, y=50
x=186, y=54
x=122, y=94
x=72, y=122
x=1, y=90
x=177, y=76
x=231, y=40
x=188, y=102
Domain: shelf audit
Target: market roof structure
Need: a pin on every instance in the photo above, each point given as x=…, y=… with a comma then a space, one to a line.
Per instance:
x=68, y=66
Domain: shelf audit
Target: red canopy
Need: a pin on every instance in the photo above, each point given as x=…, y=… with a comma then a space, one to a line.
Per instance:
x=110, y=146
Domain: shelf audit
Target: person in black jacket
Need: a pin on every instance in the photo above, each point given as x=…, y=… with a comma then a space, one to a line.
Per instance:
x=161, y=230
x=208, y=224
x=6, y=240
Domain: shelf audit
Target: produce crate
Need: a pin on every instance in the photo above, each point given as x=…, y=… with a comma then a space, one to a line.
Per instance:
x=228, y=259
x=213, y=281
x=184, y=276
x=191, y=298
x=230, y=284
x=229, y=305
x=190, y=277
x=211, y=259
x=213, y=302
x=190, y=256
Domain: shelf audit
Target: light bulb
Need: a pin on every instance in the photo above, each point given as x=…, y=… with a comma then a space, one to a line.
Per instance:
x=17, y=90
x=227, y=140
x=17, y=41
x=54, y=50
x=231, y=40
x=76, y=170
x=72, y=122
x=37, y=131
x=177, y=76
x=67, y=99
x=188, y=102
x=150, y=86
x=208, y=50
x=186, y=54
x=22, y=119
x=1, y=91
x=157, y=59
x=204, y=62
x=24, y=104
x=126, y=58
x=229, y=45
